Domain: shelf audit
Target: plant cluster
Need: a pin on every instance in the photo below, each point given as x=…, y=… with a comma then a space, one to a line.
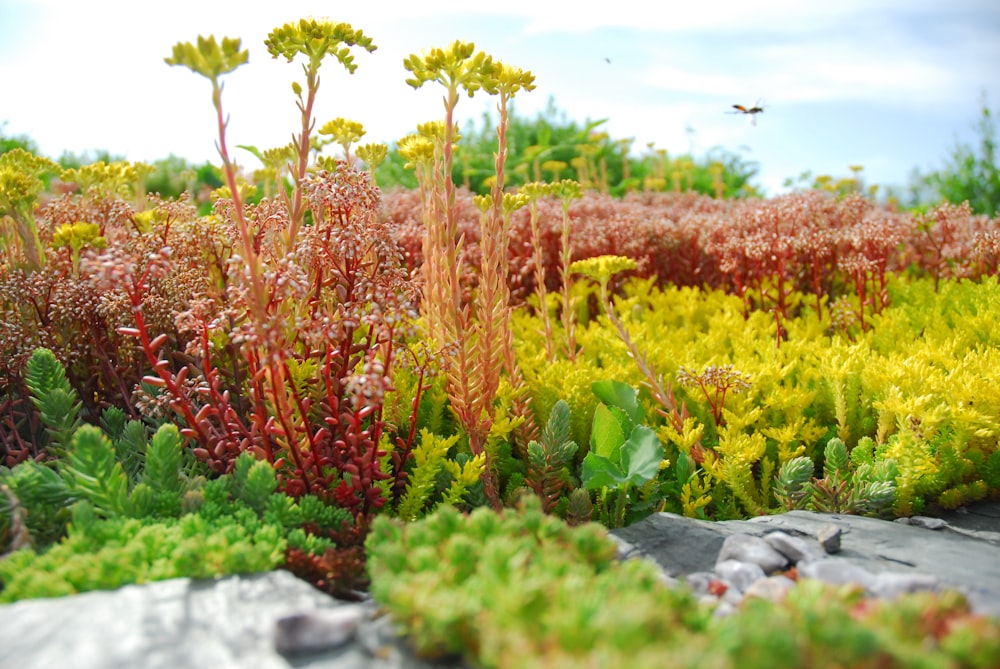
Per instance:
x=522, y=589
x=139, y=509
x=840, y=252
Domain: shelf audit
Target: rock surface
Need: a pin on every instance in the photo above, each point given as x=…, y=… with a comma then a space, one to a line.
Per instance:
x=242, y=621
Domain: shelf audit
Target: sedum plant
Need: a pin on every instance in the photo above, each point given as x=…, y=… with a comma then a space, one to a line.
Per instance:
x=474, y=339
x=523, y=589
x=624, y=453
x=316, y=40
x=867, y=490
x=21, y=182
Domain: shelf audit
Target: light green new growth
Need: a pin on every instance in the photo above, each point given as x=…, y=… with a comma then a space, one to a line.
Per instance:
x=428, y=459
x=94, y=472
x=56, y=400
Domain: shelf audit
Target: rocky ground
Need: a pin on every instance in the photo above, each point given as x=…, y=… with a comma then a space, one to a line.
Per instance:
x=274, y=620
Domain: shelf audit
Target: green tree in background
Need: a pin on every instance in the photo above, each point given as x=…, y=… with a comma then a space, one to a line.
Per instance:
x=550, y=147
x=16, y=142
x=972, y=172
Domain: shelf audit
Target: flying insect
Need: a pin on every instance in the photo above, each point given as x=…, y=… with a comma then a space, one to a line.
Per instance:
x=750, y=112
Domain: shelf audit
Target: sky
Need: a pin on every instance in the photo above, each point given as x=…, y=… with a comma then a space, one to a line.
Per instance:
x=890, y=85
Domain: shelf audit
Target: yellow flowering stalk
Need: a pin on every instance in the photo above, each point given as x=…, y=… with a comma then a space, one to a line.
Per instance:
x=470, y=342
x=345, y=133
x=373, y=155
x=316, y=40
x=21, y=183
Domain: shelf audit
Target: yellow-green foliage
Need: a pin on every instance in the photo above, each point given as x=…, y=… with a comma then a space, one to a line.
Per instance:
x=921, y=382
x=430, y=458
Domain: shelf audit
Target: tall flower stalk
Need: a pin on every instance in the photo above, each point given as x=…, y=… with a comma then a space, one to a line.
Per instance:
x=475, y=339
x=315, y=40
x=211, y=60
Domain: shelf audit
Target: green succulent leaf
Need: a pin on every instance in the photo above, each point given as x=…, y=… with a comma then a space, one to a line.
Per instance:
x=600, y=472
x=625, y=397
x=641, y=456
x=607, y=435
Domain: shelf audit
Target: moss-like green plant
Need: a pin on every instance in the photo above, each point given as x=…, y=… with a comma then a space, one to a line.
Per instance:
x=104, y=554
x=233, y=524
x=494, y=570
x=523, y=589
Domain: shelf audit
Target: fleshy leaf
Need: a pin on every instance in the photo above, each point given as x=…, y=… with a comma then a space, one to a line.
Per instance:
x=599, y=472
x=621, y=395
x=607, y=436
x=641, y=455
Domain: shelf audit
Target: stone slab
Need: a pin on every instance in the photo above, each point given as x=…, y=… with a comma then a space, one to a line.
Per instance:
x=228, y=623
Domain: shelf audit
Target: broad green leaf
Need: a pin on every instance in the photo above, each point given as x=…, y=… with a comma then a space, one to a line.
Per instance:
x=641, y=456
x=599, y=472
x=606, y=435
x=621, y=395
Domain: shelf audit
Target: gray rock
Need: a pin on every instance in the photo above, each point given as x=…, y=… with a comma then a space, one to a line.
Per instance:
x=889, y=585
x=226, y=623
x=796, y=549
x=748, y=548
x=962, y=555
x=836, y=571
x=739, y=574
x=677, y=544
x=773, y=588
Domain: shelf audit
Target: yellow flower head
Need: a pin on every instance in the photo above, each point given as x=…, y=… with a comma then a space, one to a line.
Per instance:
x=602, y=268
x=209, y=58
x=416, y=150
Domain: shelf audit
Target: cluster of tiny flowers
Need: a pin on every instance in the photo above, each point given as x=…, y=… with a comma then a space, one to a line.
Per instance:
x=724, y=376
x=368, y=388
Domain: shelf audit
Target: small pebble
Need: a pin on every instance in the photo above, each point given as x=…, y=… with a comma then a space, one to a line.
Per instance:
x=829, y=538
x=700, y=581
x=773, y=588
x=924, y=522
x=741, y=574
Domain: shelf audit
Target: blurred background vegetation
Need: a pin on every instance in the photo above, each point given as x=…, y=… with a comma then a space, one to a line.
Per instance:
x=550, y=147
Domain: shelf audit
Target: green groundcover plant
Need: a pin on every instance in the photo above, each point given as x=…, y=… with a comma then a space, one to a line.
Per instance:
x=523, y=589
